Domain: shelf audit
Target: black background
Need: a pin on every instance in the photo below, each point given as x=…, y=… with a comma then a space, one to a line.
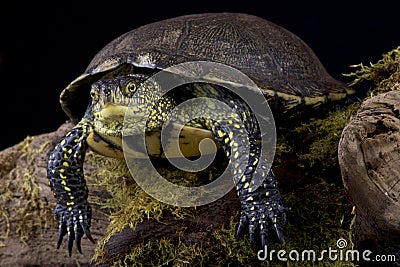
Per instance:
x=43, y=48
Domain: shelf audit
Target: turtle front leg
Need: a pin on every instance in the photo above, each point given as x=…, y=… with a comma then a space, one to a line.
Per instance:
x=262, y=207
x=65, y=172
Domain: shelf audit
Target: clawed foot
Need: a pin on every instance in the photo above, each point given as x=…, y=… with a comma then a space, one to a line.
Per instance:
x=260, y=218
x=74, y=221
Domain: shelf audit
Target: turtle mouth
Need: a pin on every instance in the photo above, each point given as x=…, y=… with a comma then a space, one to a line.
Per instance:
x=116, y=120
x=111, y=143
x=115, y=146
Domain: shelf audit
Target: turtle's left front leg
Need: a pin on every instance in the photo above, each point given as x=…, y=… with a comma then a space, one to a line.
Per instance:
x=262, y=206
x=65, y=172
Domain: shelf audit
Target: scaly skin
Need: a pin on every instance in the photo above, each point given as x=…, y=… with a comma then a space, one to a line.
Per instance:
x=262, y=207
x=65, y=172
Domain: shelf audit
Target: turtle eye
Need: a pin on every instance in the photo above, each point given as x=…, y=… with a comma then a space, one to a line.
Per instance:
x=131, y=88
x=94, y=92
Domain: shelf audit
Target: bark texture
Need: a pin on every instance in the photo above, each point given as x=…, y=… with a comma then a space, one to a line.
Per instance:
x=29, y=231
x=369, y=158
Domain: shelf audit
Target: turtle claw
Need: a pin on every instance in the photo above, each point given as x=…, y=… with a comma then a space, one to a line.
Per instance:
x=263, y=240
x=70, y=244
x=86, y=232
x=242, y=225
x=252, y=239
x=252, y=230
x=263, y=233
x=279, y=235
x=74, y=222
x=261, y=217
x=78, y=242
x=61, y=233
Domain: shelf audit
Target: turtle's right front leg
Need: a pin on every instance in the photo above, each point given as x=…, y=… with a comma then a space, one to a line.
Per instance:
x=65, y=172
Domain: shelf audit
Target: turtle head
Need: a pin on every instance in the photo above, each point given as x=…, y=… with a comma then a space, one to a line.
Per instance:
x=133, y=99
x=135, y=90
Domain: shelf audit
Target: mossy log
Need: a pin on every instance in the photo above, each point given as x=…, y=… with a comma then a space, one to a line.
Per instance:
x=369, y=158
x=28, y=229
x=130, y=227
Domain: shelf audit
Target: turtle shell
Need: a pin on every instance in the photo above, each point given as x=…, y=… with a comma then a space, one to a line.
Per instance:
x=278, y=61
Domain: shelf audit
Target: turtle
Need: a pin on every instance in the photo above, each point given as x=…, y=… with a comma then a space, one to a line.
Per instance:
x=285, y=68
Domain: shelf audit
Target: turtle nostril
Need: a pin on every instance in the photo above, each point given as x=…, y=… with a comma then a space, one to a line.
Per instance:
x=107, y=92
x=94, y=95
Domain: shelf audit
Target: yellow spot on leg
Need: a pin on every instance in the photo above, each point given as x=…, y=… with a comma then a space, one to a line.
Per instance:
x=220, y=133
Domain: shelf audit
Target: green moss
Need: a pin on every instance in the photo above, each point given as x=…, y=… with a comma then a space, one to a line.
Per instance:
x=129, y=204
x=314, y=222
x=312, y=225
x=163, y=252
x=24, y=214
x=384, y=74
x=315, y=142
x=231, y=249
x=320, y=213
